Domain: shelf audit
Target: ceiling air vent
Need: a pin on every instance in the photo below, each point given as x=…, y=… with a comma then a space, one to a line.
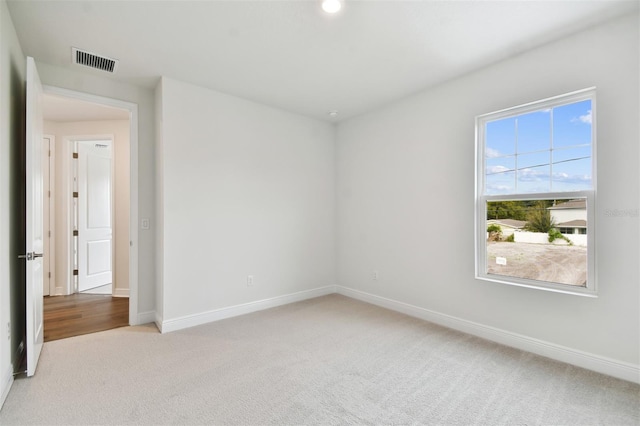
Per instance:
x=92, y=60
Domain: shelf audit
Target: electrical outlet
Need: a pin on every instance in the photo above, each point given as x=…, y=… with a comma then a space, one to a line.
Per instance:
x=375, y=275
x=249, y=280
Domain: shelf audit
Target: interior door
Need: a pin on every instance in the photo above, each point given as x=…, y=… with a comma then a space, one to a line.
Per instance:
x=34, y=219
x=94, y=214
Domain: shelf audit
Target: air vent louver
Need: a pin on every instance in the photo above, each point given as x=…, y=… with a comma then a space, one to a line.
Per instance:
x=92, y=60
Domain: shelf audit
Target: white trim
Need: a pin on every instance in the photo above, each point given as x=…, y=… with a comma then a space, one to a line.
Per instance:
x=604, y=365
x=158, y=321
x=481, y=198
x=120, y=292
x=133, y=183
x=51, y=200
x=167, y=326
x=60, y=291
x=133, y=215
x=7, y=382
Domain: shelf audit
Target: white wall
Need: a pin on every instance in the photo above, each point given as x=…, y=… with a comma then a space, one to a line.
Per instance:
x=406, y=170
x=93, y=83
x=62, y=132
x=247, y=190
x=543, y=238
x=12, y=77
x=561, y=216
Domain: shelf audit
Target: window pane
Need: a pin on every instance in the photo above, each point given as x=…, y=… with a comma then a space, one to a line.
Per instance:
x=572, y=175
x=518, y=245
x=500, y=183
x=572, y=124
x=534, y=160
x=500, y=175
x=534, y=131
x=533, y=179
x=575, y=153
x=500, y=138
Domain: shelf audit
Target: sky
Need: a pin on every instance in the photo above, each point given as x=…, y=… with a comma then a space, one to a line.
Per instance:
x=528, y=154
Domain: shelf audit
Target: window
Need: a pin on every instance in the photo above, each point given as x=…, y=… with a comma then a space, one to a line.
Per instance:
x=535, y=190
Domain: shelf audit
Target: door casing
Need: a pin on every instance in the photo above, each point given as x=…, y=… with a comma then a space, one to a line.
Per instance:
x=133, y=183
x=49, y=216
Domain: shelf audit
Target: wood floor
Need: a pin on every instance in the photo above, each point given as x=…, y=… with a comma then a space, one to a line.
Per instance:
x=76, y=314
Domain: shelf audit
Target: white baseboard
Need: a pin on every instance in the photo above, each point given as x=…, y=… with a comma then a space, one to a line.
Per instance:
x=604, y=365
x=7, y=381
x=170, y=325
x=158, y=321
x=146, y=317
x=121, y=292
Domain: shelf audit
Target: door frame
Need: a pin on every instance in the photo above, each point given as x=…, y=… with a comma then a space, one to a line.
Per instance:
x=133, y=182
x=50, y=252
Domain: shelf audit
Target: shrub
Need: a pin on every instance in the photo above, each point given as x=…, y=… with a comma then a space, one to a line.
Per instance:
x=495, y=232
x=555, y=234
x=494, y=228
x=511, y=238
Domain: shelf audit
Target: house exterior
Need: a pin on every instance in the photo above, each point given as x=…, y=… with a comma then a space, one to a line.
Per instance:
x=508, y=226
x=570, y=217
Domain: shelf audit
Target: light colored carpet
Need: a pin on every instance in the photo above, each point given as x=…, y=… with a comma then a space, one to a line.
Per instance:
x=330, y=360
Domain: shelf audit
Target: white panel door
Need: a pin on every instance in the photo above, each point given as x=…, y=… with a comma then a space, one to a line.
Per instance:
x=34, y=219
x=94, y=214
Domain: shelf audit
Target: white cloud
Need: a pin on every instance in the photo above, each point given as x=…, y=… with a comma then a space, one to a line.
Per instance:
x=496, y=169
x=576, y=179
x=491, y=153
x=529, y=175
x=583, y=118
x=498, y=189
x=586, y=118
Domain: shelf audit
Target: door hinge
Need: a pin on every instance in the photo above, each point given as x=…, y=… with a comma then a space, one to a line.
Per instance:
x=49, y=274
x=49, y=234
x=75, y=272
x=49, y=153
x=75, y=155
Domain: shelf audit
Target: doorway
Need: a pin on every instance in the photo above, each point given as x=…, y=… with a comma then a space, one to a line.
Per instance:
x=98, y=259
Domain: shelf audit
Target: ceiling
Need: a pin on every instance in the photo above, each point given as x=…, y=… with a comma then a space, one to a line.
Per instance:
x=56, y=108
x=292, y=55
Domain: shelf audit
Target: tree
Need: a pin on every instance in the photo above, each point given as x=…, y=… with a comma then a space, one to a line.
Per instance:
x=539, y=218
x=506, y=210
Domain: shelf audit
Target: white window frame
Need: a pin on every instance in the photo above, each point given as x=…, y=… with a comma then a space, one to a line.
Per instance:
x=590, y=289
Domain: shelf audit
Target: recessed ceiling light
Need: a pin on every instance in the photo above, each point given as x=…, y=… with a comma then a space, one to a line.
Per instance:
x=331, y=6
x=333, y=114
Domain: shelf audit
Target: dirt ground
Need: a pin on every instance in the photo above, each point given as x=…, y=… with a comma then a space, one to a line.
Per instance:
x=554, y=263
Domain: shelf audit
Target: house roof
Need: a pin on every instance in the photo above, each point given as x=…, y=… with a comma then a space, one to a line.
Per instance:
x=571, y=204
x=578, y=223
x=511, y=223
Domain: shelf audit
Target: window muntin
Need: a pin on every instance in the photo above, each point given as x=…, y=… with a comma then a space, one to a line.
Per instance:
x=545, y=150
x=541, y=152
